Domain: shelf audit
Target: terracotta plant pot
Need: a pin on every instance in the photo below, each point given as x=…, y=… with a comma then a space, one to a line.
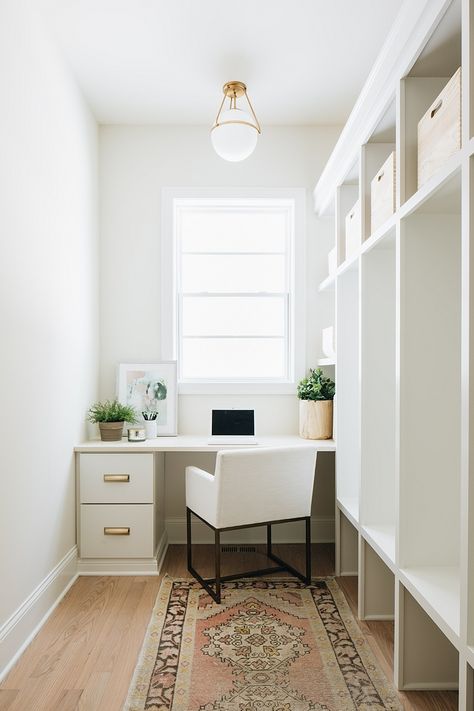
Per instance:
x=111, y=431
x=316, y=419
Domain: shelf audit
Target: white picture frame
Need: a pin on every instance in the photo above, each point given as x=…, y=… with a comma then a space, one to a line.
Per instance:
x=151, y=386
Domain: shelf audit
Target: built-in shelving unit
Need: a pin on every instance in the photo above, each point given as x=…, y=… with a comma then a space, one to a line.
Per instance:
x=404, y=315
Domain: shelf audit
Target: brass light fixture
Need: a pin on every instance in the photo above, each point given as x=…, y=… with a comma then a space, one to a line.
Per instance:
x=235, y=131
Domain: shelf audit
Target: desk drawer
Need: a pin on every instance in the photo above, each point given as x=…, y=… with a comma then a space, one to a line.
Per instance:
x=116, y=478
x=116, y=531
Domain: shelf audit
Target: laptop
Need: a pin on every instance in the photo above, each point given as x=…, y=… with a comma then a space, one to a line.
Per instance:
x=232, y=427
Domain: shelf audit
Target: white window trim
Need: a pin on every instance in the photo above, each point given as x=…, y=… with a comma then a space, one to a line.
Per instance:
x=169, y=292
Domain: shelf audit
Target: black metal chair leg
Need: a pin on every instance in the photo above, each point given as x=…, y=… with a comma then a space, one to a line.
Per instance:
x=188, y=538
x=308, y=550
x=217, y=546
x=219, y=578
x=269, y=539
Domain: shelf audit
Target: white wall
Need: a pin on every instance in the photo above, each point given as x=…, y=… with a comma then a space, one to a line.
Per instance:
x=135, y=163
x=48, y=309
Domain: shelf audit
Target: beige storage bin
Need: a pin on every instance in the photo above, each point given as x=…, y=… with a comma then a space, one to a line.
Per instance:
x=353, y=230
x=382, y=194
x=439, y=131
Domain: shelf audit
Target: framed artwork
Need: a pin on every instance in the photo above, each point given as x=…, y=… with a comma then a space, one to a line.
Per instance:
x=151, y=388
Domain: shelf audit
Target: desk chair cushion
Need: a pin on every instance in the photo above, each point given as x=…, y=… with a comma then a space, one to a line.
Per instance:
x=253, y=486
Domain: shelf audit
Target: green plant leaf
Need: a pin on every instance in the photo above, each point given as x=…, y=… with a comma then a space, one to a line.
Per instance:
x=316, y=386
x=111, y=411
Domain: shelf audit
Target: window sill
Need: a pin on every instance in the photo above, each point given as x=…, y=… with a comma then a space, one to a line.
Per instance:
x=237, y=389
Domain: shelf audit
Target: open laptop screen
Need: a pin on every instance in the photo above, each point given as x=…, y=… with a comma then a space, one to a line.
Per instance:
x=233, y=422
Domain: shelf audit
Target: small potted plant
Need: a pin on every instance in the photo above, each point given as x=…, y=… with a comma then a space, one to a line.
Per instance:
x=110, y=415
x=316, y=394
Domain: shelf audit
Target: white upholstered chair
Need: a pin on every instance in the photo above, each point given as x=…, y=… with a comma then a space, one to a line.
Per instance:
x=252, y=487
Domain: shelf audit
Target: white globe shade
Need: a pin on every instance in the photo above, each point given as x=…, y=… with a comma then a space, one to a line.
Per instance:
x=234, y=141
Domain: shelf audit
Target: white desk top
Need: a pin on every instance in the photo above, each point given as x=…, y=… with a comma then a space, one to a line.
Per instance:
x=198, y=443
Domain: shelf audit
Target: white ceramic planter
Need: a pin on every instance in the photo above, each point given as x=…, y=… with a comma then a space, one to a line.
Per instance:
x=151, y=429
x=316, y=419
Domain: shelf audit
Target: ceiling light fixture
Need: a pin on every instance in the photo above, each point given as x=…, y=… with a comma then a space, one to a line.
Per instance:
x=235, y=131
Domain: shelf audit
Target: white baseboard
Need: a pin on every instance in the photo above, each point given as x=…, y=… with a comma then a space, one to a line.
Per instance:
x=374, y=618
x=23, y=625
x=431, y=686
x=322, y=532
x=125, y=566
x=113, y=566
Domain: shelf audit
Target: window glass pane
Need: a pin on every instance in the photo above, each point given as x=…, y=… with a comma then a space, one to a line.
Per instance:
x=237, y=272
x=232, y=230
x=233, y=358
x=233, y=316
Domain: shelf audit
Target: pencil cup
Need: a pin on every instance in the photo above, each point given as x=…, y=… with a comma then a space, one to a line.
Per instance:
x=151, y=429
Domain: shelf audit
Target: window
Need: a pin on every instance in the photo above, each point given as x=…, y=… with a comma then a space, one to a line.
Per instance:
x=233, y=283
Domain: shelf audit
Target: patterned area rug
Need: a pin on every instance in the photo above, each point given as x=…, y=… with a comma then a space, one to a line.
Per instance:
x=271, y=645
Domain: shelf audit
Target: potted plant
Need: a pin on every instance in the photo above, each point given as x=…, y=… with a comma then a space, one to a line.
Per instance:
x=110, y=415
x=316, y=394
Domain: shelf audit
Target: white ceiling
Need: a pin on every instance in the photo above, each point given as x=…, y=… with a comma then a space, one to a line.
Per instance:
x=165, y=61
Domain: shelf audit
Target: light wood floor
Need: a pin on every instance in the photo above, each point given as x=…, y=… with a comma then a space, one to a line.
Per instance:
x=84, y=656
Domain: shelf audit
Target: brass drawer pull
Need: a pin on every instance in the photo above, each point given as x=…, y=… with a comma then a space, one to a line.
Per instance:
x=116, y=531
x=117, y=477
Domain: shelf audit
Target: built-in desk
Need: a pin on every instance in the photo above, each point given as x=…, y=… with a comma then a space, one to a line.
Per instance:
x=199, y=443
x=121, y=498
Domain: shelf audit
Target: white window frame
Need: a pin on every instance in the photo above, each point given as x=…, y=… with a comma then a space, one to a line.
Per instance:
x=297, y=300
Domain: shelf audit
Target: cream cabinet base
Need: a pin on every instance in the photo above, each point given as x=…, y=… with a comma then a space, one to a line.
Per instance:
x=125, y=566
x=117, y=566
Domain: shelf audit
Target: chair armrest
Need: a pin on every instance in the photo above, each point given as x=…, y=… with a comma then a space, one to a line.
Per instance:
x=201, y=494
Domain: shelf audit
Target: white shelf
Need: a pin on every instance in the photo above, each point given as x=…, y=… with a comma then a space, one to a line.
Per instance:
x=437, y=590
x=350, y=508
x=430, y=188
x=327, y=283
x=348, y=263
x=377, y=236
x=425, y=193
x=382, y=540
x=326, y=361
